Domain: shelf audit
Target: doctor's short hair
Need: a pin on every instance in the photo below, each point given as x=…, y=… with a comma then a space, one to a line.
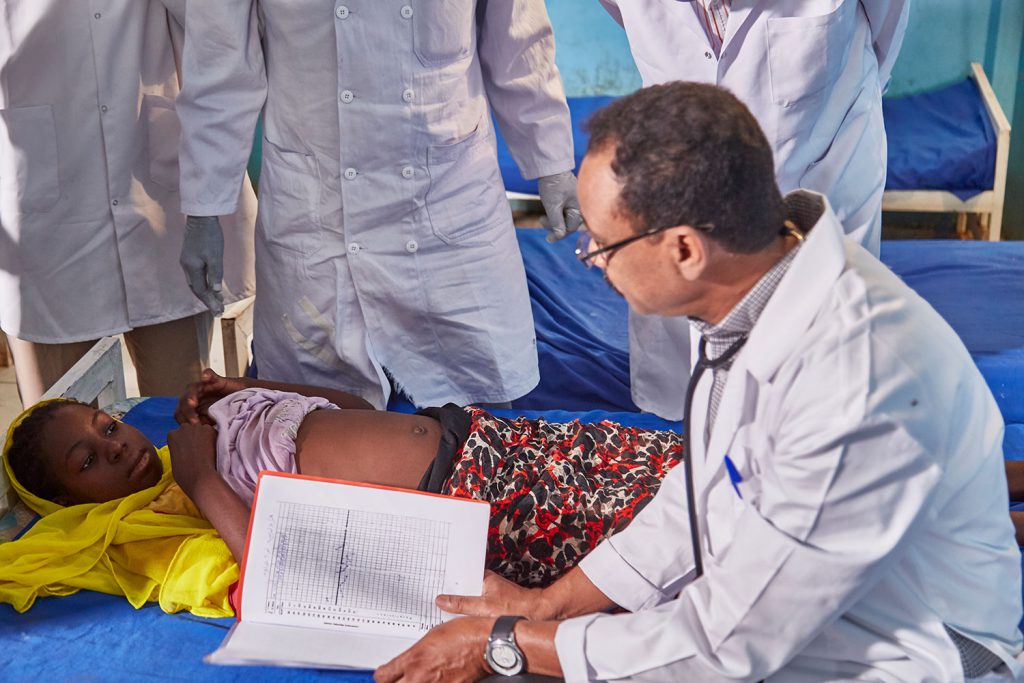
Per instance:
x=692, y=154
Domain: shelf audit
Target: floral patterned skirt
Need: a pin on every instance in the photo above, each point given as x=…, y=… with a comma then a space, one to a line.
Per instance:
x=556, y=490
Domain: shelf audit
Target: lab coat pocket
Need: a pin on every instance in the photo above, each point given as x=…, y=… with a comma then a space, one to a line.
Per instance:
x=289, y=203
x=466, y=196
x=805, y=54
x=29, y=165
x=442, y=30
x=162, y=133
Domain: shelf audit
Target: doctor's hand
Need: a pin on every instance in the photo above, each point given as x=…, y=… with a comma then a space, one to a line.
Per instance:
x=558, y=195
x=199, y=396
x=500, y=596
x=202, y=259
x=450, y=653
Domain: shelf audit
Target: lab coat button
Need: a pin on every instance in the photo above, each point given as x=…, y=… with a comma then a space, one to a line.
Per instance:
x=114, y=202
x=407, y=11
x=353, y=248
x=350, y=174
x=103, y=108
x=342, y=12
x=408, y=172
x=411, y=246
x=347, y=96
x=97, y=15
x=707, y=55
x=408, y=94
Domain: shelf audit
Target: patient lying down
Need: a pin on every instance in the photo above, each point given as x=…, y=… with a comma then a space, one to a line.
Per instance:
x=116, y=521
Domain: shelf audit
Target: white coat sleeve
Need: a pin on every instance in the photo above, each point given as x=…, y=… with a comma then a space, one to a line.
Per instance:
x=517, y=54
x=224, y=87
x=838, y=500
x=625, y=569
x=888, y=21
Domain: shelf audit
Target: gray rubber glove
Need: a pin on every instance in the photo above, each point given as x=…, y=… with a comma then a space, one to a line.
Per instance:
x=558, y=195
x=202, y=259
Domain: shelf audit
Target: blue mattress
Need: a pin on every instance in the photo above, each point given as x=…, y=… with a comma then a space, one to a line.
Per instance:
x=939, y=140
x=94, y=637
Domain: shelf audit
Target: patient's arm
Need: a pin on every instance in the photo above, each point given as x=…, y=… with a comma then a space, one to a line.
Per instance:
x=211, y=387
x=193, y=460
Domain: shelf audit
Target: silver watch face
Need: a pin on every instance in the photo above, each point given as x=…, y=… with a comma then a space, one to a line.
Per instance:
x=504, y=656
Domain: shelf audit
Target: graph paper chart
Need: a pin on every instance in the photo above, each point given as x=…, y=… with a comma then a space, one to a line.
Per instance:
x=354, y=568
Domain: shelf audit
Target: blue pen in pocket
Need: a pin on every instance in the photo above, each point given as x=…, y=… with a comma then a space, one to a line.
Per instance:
x=734, y=476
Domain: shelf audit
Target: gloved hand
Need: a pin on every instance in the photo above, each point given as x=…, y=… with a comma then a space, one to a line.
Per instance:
x=202, y=259
x=558, y=195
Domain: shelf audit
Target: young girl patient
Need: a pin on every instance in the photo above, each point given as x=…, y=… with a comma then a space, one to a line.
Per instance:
x=555, y=490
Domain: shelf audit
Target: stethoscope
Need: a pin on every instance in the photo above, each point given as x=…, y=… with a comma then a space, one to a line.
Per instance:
x=703, y=363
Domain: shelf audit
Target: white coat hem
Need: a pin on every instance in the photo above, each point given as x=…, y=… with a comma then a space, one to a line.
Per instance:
x=117, y=329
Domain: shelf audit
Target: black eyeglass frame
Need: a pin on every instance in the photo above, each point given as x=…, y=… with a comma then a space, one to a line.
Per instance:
x=587, y=258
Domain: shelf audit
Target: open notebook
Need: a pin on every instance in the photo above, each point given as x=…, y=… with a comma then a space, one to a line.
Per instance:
x=341, y=575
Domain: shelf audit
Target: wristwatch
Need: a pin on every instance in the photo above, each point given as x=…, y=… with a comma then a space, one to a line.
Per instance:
x=502, y=653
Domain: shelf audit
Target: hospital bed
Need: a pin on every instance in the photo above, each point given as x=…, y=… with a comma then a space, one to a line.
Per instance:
x=583, y=349
x=947, y=152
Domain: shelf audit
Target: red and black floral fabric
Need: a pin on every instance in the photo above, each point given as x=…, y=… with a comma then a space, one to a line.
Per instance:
x=556, y=490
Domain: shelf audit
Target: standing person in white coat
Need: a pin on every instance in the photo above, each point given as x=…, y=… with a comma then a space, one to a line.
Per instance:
x=384, y=243
x=89, y=204
x=812, y=72
x=846, y=472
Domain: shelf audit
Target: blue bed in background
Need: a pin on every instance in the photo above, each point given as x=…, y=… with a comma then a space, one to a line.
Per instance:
x=583, y=349
x=938, y=140
x=947, y=152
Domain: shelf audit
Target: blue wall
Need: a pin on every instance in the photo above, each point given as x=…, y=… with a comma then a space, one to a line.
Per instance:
x=943, y=38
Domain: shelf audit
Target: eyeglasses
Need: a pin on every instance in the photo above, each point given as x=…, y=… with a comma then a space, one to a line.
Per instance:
x=588, y=257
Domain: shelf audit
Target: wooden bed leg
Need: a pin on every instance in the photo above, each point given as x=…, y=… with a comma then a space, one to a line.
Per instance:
x=961, y=226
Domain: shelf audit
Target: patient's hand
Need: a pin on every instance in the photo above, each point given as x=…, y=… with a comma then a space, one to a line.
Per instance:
x=193, y=455
x=199, y=396
x=500, y=596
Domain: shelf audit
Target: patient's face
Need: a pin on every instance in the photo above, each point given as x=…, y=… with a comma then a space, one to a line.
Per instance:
x=95, y=458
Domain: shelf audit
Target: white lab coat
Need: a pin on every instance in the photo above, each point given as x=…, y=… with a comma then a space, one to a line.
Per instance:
x=384, y=237
x=89, y=204
x=871, y=511
x=812, y=72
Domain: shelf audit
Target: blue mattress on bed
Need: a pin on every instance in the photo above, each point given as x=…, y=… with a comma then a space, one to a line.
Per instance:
x=938, y=140
x=94, y=637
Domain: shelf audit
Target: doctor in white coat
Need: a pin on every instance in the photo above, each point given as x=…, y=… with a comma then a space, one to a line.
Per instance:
x=385, y=243
x=89, y=206
x=847, y=480
x=812, y=72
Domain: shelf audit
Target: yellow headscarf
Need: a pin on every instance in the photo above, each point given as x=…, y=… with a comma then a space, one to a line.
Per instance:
x=150, y=546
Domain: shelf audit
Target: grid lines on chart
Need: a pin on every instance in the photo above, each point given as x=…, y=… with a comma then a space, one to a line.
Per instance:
x=357, y=567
